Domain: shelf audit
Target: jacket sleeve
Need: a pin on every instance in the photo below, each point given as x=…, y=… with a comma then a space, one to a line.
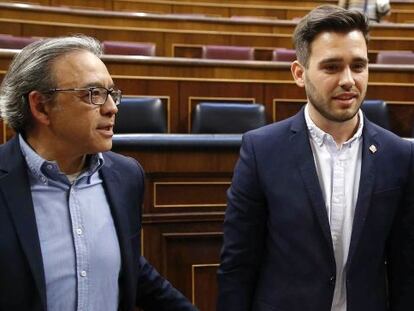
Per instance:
x=156, y=294
x=244, y=234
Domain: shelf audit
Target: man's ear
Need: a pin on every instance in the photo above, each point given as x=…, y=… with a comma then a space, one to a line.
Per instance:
x=38, y=107
x=298, y=72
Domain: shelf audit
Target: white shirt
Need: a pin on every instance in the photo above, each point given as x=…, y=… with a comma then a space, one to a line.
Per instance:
x=339, y=171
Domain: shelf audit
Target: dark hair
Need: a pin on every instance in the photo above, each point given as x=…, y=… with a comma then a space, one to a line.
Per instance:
x=31, y=70
x=322, y=19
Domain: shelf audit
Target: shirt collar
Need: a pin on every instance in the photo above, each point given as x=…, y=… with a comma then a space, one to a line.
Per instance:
x=42, y=169
x=319, y=136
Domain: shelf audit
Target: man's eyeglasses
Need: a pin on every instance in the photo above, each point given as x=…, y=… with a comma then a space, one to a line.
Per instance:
x=97, y=94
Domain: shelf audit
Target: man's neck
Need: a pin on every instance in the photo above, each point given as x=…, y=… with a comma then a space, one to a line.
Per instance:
x=68, y=163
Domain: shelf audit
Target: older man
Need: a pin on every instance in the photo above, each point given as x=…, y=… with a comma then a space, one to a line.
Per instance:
x=69, y=209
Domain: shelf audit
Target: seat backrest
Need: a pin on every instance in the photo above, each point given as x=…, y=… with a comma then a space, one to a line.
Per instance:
x=228, y=52
x=141, y=115
x=284, y=55
x=227, y=118
x=395, y=57
x=129, y=48
x=377, y=112
x=15, y=42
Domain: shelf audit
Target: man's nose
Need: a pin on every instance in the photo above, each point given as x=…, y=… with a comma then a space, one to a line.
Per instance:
x=347, y=80
x=109, y=107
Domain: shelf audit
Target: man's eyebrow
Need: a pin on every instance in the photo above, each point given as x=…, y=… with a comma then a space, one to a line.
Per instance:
x=98, y=84
x=340, y=60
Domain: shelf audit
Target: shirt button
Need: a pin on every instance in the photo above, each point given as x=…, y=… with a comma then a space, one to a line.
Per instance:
x=79, y=231
x=49, y=166
x=332, y=280
x=83, y=273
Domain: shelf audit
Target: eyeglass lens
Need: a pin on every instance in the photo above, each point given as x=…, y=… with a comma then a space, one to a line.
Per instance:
x=100, y=95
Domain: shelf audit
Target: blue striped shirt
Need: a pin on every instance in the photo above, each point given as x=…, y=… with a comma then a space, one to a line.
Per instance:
x=79, y=244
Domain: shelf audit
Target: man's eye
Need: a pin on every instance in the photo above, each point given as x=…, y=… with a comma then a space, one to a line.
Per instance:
x=96, y=92
x=331, y=68
x=359, y=67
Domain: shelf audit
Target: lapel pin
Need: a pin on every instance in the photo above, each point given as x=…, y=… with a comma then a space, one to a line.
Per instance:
x=373, y=149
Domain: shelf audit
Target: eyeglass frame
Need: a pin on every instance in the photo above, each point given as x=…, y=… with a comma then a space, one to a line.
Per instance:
x=90, y=89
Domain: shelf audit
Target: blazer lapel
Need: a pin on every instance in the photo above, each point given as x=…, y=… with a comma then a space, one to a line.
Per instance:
x=304, y=157
x=15, y=188
x=366, y=183
x=112, y=181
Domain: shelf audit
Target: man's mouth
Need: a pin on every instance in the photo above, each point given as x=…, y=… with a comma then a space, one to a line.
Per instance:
x=345, y=96
x=106, y=129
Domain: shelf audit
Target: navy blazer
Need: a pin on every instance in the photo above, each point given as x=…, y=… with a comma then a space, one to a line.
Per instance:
x=22, y=282
x=278, y=253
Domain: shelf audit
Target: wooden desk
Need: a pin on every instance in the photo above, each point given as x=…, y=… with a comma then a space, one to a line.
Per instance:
x=182, y=83
x=186, y=181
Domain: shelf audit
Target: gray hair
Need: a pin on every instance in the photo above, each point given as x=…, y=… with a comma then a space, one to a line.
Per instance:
x=326, y=18
x=31, y=70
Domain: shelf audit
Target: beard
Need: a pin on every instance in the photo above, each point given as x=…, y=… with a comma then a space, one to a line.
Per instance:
x=326, y=108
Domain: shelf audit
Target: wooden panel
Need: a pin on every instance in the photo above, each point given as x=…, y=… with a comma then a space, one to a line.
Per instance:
x=183, y=251
x=285, y=108
x=201, y=162
x=190, y=194
x=96, y=4
x=402, y=117
x=401, y=16
x=205, y=281
x=175, y=247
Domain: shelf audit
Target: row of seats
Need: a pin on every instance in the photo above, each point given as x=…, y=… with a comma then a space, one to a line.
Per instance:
x=289, y=55
x=149, y=49
x=15, y=42
x=244, y=53
x=395, y=57
x=148, y=115
x=231, y=52
x=208, y=51
x=110, y=47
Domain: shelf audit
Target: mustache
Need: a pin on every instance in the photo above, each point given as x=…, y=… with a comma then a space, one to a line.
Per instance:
x=351, y=92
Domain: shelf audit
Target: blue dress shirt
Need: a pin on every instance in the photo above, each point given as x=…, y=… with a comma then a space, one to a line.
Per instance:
x=78, y=240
